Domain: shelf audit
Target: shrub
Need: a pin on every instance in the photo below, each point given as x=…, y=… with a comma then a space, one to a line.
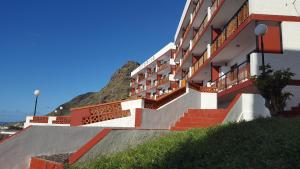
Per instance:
x=270, y=85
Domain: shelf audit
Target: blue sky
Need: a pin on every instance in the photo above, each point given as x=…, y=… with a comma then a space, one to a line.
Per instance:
x=70, y=47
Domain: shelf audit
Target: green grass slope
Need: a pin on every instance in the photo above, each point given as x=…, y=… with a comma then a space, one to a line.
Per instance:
x=261, y=144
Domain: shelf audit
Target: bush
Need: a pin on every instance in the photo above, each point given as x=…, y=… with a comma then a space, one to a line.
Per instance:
x=270, y=85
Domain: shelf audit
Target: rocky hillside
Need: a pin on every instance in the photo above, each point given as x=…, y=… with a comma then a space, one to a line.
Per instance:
x=117, y=89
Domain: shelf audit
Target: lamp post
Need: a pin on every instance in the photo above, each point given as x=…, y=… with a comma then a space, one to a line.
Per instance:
x=61, y=109
x=55, y=111
x=37, y=94
x=260, y=31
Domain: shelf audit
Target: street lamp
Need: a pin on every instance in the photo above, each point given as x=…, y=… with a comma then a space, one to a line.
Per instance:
x=260, y=31
x=55, y=111
x=37, y=94
x=61, y=108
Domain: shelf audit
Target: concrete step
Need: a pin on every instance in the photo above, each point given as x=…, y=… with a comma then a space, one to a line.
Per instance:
x=200, y=120
x=205, y=115
x=195, y=125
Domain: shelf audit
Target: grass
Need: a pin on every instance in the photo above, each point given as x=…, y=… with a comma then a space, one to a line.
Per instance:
x=261, y=144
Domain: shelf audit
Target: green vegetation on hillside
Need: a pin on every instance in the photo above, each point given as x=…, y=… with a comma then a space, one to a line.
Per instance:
x=264, y=143
x=117, y=89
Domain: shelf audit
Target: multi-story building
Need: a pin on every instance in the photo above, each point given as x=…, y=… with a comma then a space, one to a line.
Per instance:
x=217, y=46
x=155, y=77
x=204, y=77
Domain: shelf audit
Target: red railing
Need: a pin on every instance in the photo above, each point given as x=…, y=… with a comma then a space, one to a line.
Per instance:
x=141, y=78
x=164, y=66
x=237, y=75
x=62, y=120
x=203, y=89
x=163, y=81
x=98, y=113
x=162, y=100
x=39, y=119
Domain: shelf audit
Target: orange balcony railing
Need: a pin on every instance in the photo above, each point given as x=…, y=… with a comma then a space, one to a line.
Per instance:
x=163, y=81
x=141, y=78
x=199, y=62
x=164, y=66
x=162, y=100
x=231, y=27
x=236, y=76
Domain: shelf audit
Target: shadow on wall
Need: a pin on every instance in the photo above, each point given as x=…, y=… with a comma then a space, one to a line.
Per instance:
x=264, y=143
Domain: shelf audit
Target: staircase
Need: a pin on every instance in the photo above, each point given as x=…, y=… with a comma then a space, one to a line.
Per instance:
x=294, y=112
x=200, y=118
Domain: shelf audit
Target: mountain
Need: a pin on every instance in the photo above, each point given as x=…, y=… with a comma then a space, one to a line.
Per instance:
x=117, y=89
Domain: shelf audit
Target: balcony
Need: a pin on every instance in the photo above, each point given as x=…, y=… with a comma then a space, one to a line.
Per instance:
x=141, y=78
x=189, y=26
x=199, y=63
x=200, y=30
x=163, y=81
x=215, y=6
x=231, y=27
x=163, y=66
x=234, y=77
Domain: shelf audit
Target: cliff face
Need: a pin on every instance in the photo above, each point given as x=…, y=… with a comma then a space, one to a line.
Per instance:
x=117, y=89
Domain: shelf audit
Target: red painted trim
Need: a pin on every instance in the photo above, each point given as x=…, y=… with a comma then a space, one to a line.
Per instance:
x=233, y=102
x=294, y=83
x=14, y=135
x=38, y=163
x=138, y=118
x=84, y=149
x=278, y=18
x=236, y=87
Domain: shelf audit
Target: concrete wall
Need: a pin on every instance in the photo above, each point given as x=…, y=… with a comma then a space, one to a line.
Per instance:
x=290, y=58
x=131, y=105
x=50, y=122
x=16, y=152
x=275, y=7
x=119, y=122
x=120, y=140
x=248, y=107
x=291, y=52
x=295, y=100
x=167, y=115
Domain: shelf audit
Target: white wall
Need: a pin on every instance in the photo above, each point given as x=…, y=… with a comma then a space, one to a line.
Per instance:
x=129, y=121
x=209, y=101
x=119, y=122
x=248, y=107
x=167, y=115
x=295, y=100
x=132, y=104
x=50, y=122
x=274, y=7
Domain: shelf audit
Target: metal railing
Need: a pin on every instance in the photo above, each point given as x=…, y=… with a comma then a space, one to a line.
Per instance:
x=231, y=27
x=235, y=76
x=199, y=62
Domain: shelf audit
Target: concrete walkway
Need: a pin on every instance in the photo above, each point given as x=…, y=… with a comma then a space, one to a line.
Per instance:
x=16, y=152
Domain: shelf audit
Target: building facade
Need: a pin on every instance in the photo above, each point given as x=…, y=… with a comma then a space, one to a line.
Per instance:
x=204, y=77
x=155, y=77
x=216, y=45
